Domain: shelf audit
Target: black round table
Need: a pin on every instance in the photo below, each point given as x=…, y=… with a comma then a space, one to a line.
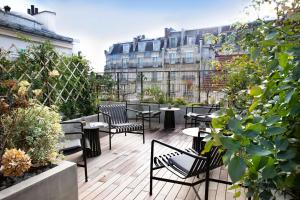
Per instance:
x=169, y=122
x=91, y=132
x=197, y=137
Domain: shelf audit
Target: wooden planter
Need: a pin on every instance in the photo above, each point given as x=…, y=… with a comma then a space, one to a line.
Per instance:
x=58, y=183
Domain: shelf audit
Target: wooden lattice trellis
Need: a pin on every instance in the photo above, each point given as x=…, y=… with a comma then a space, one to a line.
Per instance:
x=36, y=64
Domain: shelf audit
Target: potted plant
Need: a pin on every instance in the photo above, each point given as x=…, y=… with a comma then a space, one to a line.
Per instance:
x=30, y=138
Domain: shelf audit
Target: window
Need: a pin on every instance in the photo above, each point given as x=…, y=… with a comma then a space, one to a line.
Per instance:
x=190, y=40
x=126, y=48
x=141, y=46
x=155, y=59
x=140, y=62
x=173, y=42
x=125, y=62
x=172, y=57
x=156, y=45
x=147, y=54
x=173, y=76
x=189, y=57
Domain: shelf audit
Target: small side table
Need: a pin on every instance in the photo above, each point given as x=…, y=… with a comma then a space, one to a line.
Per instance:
x=169, y=122
x=197, y=137
x=91, y=131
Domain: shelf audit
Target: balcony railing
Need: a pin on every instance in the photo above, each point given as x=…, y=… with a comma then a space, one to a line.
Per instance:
x=192, y=85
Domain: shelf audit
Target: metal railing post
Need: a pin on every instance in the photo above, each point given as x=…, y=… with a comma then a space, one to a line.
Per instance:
x=142, y=86
x=118, y=85
x=199, y=86
x=169, y=85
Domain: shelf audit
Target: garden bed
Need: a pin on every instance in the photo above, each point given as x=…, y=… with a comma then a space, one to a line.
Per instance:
x=6, y=182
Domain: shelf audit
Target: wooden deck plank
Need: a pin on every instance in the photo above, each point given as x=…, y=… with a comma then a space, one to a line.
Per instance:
x=123, y=172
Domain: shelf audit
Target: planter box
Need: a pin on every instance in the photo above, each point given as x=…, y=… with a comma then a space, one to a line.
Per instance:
x=58, y=183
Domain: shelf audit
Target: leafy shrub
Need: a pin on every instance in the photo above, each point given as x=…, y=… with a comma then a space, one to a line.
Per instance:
x=15, y=162
x=36, y=130
x=179, y=101
x=260, y=129
x=158, y=96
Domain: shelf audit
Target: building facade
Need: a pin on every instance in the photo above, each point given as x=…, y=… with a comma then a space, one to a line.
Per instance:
x=177, y=50
x=178, y=63
x=19, y=30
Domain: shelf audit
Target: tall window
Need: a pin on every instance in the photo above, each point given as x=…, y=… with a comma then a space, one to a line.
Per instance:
x=156, y=45
x=173, y=42
x=190, y=40
x=155, y=59
x=147, y=54
x=173, y=76
x=189, y=57
x=140, y=62
x=141, y=46
x=172, y=57
x=125, y=62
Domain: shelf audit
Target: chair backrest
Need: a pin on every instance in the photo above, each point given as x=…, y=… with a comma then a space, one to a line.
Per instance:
x=214, y=158
x=117, y=112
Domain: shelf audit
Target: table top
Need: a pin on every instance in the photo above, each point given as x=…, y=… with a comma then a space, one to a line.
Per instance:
x=194, y=132
x=169, y=109
x=95, y=125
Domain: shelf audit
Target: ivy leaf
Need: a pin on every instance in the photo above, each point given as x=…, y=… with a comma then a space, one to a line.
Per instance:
x=255, y=91
x=282, y=144
x=236, y=168
x=259, y=162
x=229, y=143
x=283, y=59
x=272, y=120
x=275, y=130
x=269, y=172
x=257, y=150
x=286, y=155
x=235, y=126
x=289, y=96
x=237, y=194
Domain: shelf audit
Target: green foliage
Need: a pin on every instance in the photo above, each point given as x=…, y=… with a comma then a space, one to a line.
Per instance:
x=261, y=127
x=179, y=101
x=35, y=130
x=105, y=85
x=64, y=80
x=156, y=94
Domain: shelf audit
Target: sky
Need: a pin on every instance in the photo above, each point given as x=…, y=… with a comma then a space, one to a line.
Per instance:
x=98, y=24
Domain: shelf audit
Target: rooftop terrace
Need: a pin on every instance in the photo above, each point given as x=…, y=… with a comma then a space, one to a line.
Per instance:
x=123, y=172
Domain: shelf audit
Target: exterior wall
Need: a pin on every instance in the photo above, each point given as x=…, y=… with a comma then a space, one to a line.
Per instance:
x=9, y=38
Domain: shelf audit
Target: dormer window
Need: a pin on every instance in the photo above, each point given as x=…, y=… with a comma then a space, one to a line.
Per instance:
x=126, y=48
x=190, y=40
x=141, y=46
x=156, y=45
x=173, y=42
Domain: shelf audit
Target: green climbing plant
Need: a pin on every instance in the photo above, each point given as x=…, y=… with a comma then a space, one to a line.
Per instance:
x=260, y=129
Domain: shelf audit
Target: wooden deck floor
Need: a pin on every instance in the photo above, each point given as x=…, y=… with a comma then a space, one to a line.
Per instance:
x=123, y=172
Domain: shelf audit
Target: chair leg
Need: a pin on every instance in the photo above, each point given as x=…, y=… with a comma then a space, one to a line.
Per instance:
x=206, y=184
x=125, y=134
x=151, y=167
x=185, y=122
x=109, y=140
x=85, y=167
x=143, y=136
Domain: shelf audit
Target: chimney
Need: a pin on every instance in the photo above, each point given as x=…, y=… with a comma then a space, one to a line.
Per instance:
x=166, y=32
x=7, y=8
x=32, y=10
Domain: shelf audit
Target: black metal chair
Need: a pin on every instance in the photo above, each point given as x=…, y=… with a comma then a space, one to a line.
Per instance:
x=116, y=117
x=191, y=113
x=186, y=163
x=146, y=111
x=74, y=142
